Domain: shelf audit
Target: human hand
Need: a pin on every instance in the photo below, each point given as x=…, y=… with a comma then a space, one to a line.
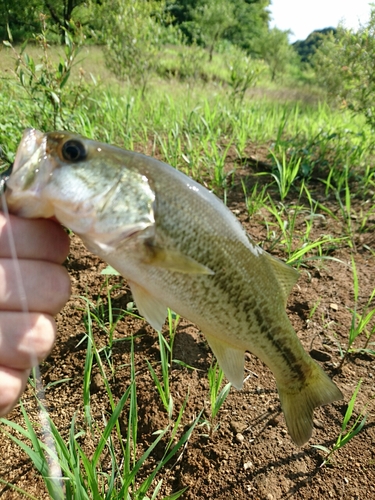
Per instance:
x=27, y=337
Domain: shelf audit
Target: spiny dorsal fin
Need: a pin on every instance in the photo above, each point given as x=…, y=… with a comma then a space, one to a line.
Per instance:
x=149, y=307
x=286, y=276
x=230, y=360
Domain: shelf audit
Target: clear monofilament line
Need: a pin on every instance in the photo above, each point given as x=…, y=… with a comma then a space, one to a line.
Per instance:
x=55, y=473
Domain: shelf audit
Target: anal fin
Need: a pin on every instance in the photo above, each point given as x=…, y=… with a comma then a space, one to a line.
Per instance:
x=230, y=360
x=149, y=307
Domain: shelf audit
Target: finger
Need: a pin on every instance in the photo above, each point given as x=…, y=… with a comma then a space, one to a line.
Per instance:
x=46, y=286
x=39, y=239
x=12, y=384
x=25, y=339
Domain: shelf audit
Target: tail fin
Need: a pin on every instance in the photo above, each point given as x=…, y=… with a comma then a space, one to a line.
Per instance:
x=298, y=404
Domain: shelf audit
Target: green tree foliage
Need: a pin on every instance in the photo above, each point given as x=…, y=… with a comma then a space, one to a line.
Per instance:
x=252, y=18
x=211, y=20
x=133, y=30
x=344, y=66
x=246, y=20
x=274, y=48
x=307, y=48
x=22, y=16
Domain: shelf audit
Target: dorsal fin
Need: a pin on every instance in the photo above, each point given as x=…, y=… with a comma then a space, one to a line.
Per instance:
x=286, y=276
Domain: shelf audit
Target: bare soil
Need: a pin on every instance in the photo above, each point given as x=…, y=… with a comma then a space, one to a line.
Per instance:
x=250, y=454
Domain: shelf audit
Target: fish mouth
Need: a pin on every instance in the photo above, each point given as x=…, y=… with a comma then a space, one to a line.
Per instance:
x=24, y=193
x=30, y=143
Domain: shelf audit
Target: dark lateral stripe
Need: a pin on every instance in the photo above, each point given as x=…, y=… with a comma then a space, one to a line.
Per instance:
x=287, y=354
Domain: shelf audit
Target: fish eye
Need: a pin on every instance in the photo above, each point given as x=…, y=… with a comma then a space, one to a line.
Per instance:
x=73, y=150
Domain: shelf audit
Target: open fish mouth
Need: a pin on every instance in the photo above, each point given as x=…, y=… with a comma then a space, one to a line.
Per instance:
x=29, y=176
x=30, y=143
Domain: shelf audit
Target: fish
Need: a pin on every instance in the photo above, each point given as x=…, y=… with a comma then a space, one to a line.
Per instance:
x=178, y=246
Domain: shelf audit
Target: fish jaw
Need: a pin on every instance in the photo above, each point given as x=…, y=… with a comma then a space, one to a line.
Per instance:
x=25, y=187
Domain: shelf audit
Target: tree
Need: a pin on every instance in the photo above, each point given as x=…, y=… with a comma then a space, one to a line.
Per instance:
x=307, y=48
x=252, y=19
x=133, y=30
x=344, y=66
x=211, y=20
x=248, y=19
x=274, y=48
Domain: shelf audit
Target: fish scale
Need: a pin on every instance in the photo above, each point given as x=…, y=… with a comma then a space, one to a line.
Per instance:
x=178, y=246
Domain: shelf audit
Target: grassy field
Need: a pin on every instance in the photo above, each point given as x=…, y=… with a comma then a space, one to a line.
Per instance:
x=308, y=162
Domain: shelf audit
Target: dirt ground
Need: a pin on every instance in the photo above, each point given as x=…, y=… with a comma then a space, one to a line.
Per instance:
x=250, y=455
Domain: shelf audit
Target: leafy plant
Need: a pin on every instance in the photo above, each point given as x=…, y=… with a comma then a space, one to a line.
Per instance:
x=361, y=322
x=345, y=435
x=46, y=83
x=344, y=66
x=256, y=199
x=217, y=395
x=285, y=172
x=244, y=73
x=133, y=33
x=163, y=387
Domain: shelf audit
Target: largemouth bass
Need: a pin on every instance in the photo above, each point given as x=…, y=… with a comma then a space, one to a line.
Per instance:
x=178, y=246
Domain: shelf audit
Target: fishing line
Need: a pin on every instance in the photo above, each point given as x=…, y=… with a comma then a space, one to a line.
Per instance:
x=55, y=473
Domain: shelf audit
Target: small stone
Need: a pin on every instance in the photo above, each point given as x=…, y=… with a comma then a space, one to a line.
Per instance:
x=334, y=307
x=240, y=438
x=237, y=427
x=318, y=423
x=273, y=422
x=247, y=465
x=96, y=383
x=320, y=355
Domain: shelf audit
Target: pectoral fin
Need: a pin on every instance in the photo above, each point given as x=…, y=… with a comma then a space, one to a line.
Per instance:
x=149, y=307
x=230, y=360
x=174, y=260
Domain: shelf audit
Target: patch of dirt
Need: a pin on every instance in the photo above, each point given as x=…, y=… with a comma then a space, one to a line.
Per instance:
x=250, y=454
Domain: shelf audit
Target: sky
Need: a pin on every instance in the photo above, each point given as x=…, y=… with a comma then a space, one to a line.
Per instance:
x=304, y=16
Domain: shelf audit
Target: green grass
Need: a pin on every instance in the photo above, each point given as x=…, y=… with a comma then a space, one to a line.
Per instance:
x=81, y=475
x=346, y=434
